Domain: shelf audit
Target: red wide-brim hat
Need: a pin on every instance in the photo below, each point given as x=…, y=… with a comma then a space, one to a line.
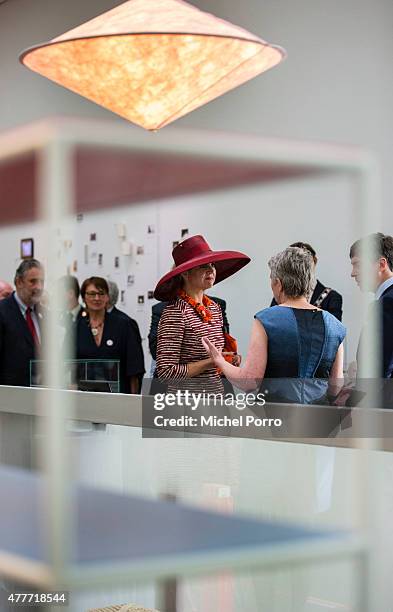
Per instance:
x=194, y=252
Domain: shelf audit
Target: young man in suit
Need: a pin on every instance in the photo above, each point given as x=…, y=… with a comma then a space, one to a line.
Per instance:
x=20, y=324
x=379, y=280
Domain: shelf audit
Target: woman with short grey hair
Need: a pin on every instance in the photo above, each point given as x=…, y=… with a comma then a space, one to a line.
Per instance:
x=295, y=270
x=293, y=340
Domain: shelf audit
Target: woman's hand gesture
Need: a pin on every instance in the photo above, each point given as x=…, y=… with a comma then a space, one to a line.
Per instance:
x=214, y=353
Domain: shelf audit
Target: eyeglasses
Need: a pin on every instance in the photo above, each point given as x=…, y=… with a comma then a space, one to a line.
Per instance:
x=95, y=294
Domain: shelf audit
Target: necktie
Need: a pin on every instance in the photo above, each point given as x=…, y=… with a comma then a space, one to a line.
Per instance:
x=31, y=326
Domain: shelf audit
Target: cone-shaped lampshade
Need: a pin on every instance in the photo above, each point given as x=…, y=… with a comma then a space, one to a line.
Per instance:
x=153, y=61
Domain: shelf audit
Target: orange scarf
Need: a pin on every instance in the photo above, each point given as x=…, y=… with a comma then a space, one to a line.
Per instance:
x=202, y=310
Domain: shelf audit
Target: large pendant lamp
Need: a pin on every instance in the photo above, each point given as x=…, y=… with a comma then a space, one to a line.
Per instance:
x=153, y=61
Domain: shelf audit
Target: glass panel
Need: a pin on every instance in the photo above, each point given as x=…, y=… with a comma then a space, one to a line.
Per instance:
x=81, y=374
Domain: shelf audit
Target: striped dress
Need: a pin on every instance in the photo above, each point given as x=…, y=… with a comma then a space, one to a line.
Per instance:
x=180, y=333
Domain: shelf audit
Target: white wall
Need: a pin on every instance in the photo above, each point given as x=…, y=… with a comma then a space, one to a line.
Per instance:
x=336, y=84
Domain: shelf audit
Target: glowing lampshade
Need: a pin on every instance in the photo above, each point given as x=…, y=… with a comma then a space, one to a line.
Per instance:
x=153, y=61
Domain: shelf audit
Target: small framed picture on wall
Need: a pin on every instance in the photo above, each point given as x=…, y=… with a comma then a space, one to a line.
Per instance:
x=26, y=248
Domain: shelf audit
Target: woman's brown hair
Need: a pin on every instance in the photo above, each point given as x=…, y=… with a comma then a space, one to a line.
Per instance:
x=98, y=282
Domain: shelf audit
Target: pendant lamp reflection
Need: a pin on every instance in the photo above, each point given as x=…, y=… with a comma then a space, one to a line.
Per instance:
x=153, y=61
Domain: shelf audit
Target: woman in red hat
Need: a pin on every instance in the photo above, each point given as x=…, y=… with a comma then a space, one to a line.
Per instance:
x=191, y=315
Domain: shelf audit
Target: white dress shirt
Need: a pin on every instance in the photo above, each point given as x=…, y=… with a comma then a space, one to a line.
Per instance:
x=383, y=286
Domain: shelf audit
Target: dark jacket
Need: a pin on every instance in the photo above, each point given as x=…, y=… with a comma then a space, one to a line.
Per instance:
x=16, y=345
x=385, y=314
x=123, y=315
x=157, y=311
x=138, y=340
x=332, y=303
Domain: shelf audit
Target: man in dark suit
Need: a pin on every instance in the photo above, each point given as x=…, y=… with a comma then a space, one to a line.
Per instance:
x=380, y=281
x=20, y=324
x=115, y=312
x=323, y=297
x=157, y=311
x=70, y=292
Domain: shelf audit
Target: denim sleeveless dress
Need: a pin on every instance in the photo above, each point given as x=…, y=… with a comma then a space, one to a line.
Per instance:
x=302, y=346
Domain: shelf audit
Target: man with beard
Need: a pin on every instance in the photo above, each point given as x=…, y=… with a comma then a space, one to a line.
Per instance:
x=20, y=325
